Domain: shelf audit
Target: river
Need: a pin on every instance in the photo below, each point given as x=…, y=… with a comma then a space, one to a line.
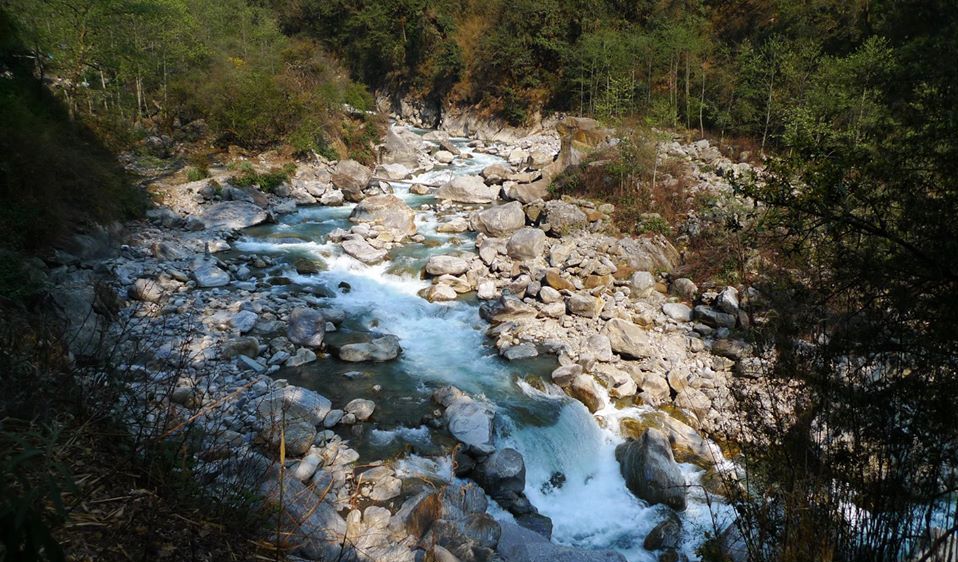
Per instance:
x=445, y=343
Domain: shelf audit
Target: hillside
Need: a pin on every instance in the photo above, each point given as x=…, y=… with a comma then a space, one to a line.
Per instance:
x=450, y=280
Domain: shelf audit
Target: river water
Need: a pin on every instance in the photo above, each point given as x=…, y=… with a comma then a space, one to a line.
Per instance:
x=445, y=343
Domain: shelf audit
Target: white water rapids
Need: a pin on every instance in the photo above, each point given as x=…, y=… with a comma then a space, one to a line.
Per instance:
x=445, y=343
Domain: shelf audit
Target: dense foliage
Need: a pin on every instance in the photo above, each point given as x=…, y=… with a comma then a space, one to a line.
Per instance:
x=134, y=67
x=738, y=68
x=53, y=172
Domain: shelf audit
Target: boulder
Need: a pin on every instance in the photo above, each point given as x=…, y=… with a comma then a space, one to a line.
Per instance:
x=294, y=404
x=628, y=339
x=208, y=274
x=233, y=215
x=393, y=171
x=361, y=408
x=528, y=192
x=401, y=147
x=666, y=534
x=642, y=284
x=712, y=317
x=235, y=347
x=503, y=476
x=388, y=211
x=351, y=178
x=363, y=251
x=727, y=301
x=495, y=173
x=518, y=544
x=527, y=243
x=500, y=221
x=441, y=293
x=146, y=290
x=650, y=470
x=301, y=357
x=446, y=265
x=311, y=528
x=565, y=374
x=379, y=349
x=470, y=422
x=468, y=189
x=677, y=311
x=306, y=327
x=580, y=136
x=444, y=156
x=507, y=308
x=521, y=351
x=684, y=288
x=563, y=217
x=555, y=280
x=583, y=304
x=586, y=390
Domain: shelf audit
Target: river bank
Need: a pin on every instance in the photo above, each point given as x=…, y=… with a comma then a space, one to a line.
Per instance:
x=362, y=288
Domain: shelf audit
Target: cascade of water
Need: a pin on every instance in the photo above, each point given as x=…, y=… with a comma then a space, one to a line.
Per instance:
x=572, y=474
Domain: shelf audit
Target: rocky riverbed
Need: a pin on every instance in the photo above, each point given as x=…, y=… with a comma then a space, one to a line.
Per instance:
x=435, y=358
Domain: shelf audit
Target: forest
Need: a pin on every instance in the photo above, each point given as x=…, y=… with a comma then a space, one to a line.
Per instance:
x=847, y=232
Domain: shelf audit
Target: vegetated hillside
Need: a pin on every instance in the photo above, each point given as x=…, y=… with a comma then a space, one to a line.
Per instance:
x=739, y=68
x=53, y=171
x=186, y=69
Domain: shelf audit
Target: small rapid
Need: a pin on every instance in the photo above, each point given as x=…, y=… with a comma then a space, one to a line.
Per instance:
x=572, y=474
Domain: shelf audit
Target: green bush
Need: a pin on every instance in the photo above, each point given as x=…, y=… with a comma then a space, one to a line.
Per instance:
x=194, y=173
x=265, y=181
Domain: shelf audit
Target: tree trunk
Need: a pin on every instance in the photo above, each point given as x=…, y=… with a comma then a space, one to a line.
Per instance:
x=768, y=110
x=702, y=106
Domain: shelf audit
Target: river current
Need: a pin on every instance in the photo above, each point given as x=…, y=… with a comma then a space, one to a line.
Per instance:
x=446, y=343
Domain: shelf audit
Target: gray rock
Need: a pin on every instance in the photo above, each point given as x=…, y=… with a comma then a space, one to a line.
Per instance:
x=233, y=215
x=388, y=211
x=361, y=408
x=146, y=290
x=548, y=295
x=517, y=544
x=360, y=249
x=470, y=422
x=243, y=321
x=628, y=339
x=684, y=288
x=650, y=470
x=642, y=283
x=306, y=327
x=727, y=301
x=313, y=526
x=207, y=274
x=583, y=304
x=521, y=351
x=501, y=220
x=565, y=374
x=527, y=243
x=247, y=346
x=468, y=189
x=446, y=265
x=712, y=317
x=599, y=347
x=528, y=192
x=352, y=178
x=677, y=311
x=564, y=217
x=666, y=534
x=382, y=348
x=332, y=198
x=294, y=403
x=503, y=476
x=507, y=308
x=301, y=357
